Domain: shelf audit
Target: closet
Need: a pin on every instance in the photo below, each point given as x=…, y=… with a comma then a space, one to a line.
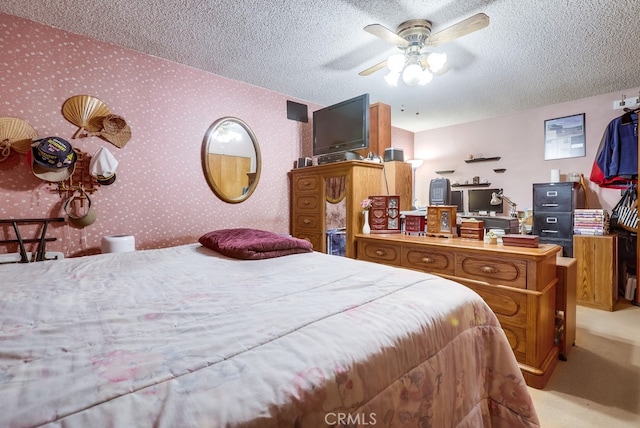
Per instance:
x=614, y=168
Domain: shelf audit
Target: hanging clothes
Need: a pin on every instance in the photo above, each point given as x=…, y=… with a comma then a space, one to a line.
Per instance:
x=616, y=162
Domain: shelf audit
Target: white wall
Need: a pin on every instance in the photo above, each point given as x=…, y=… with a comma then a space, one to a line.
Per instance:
x=519, y=140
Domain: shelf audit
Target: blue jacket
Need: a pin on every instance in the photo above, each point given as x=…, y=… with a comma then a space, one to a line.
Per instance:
x=616, y=162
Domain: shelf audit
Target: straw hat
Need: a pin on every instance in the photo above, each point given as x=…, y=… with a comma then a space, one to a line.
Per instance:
x=115, y=130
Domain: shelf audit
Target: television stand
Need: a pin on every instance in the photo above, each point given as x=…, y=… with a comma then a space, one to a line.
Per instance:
x=338, y=157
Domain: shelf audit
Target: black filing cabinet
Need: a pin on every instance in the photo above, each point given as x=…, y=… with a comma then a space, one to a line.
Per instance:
x=553, y=207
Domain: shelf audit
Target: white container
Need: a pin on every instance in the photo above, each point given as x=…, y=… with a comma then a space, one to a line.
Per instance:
x=555, y=175
x=118, y=244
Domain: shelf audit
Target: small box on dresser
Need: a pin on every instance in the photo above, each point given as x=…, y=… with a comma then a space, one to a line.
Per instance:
x=472, y=229
x=414, y=222
x=384, y=215
x=441, y=221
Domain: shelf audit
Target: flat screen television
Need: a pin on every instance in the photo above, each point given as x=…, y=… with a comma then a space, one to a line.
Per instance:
x=341, y=127
x=480, y=200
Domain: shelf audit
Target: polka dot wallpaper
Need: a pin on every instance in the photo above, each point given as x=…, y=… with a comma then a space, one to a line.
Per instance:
x=160, y=194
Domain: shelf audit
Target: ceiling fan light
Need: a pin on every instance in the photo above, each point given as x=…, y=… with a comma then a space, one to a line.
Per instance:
x=425, y=77
x=436, y=61
x=392, y=78
x=396, y=62
x=411, y=74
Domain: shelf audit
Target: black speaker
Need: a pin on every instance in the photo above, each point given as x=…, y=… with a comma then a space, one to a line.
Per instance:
x=297, y=111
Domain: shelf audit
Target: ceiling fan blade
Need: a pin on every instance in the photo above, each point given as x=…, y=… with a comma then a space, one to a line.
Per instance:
x=386, y=35
x=373, y=69
x=462, y=28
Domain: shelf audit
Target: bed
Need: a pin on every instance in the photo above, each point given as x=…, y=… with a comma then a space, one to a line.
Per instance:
x=188, y=337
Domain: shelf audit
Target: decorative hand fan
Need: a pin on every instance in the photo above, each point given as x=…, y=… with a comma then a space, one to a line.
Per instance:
x=15, y=134
x=86, y=112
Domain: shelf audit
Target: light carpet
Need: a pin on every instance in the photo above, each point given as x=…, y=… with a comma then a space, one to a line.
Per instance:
x=599, y=384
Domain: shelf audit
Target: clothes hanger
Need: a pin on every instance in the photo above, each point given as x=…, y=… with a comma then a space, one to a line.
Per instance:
x=626, y=117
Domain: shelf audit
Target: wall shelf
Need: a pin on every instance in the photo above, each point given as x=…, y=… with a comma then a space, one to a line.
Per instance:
x=499, y=170
x=471, y=185
x=496, y=158
x=447, y=171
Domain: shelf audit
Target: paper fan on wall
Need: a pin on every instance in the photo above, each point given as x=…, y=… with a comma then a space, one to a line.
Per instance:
x=15, y=134
x=86, y=112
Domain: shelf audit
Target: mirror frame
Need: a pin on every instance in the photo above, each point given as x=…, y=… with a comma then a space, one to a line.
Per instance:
x=205, y=164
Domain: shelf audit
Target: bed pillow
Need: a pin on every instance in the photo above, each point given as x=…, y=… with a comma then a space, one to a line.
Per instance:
x=252, y=244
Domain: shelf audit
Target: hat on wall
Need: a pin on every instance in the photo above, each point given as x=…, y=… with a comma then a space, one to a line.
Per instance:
x=80, y=219
x=52, y=159
x=115, y=130
x=103, y=166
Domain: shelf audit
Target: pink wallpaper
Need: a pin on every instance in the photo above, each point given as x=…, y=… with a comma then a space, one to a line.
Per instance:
x=160, y=195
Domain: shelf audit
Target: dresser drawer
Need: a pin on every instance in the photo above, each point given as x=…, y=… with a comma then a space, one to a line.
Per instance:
x=381, y=253
x=553, y=225
x=428, y=260
x=512, y=273
x=306, y=221
x=315, y=239
x=309, y=183
x=307, y=202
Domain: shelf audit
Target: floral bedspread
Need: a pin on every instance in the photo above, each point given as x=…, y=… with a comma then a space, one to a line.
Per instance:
x=185, y=337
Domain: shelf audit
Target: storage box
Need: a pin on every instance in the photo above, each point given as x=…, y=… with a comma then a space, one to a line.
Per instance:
x=472, y=229
x=529, y=241
x=414, y=222
x=384, y=215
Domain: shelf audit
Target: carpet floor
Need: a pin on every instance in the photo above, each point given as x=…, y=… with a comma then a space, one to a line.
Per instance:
x=599, y=384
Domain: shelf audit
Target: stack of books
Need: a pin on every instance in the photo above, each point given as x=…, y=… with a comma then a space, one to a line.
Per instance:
x=590, y=222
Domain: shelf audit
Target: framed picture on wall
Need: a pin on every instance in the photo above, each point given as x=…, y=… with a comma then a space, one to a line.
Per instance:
x=564, y=137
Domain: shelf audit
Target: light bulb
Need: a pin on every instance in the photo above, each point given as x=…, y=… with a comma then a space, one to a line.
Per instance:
x=411, y=74
x=396, y=62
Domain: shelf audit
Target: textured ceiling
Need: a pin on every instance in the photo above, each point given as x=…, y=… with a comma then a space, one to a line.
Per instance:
x=532, y=53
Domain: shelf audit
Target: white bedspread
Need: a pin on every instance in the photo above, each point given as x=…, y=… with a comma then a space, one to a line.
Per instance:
x=185, y=337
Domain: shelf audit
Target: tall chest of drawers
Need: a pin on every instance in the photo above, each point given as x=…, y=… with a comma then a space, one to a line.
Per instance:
x=346, y=183
x=553, y=207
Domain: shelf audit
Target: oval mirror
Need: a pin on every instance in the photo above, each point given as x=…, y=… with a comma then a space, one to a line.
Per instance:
x=231, y=159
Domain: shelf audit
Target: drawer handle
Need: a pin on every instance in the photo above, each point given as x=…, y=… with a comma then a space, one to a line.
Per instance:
x=306, y=183
x=306, y=202
x=489, y=269
x=549, y=205
x=306, y=221
x=552, y=193
x=549, y=231
x=381, y=253
x=552, y=220
x=427, y=260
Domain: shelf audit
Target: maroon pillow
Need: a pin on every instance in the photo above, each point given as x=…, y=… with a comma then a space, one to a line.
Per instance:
x=252, y=244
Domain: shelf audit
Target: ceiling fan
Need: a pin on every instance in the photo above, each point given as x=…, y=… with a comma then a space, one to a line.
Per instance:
x=413, y=37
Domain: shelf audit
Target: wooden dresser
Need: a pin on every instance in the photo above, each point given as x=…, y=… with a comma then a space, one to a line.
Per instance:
x=346, y=183
x=519, y=284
